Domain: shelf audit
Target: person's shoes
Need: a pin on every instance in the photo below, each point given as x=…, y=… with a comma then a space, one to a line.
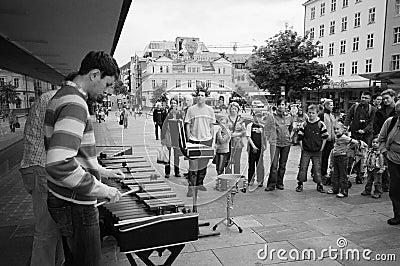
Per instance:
x=341, y=195
x=201, y=188
x=280, y=187
x=269, y=189
x=178, y=175
x=365, y=193
x=331, y=192
x=251, y=183
x=189, y=194
x=376, y=196
x=394, y=221
x=320, y=188
x=156, y=138
x=299, y=187
x=166, y=176
x=261, y=184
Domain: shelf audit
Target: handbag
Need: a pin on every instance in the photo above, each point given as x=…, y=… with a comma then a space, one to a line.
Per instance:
x=162, y=155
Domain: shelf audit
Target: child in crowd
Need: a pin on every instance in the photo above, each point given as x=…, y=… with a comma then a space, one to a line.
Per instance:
x=255, y=148
x=312, y=139
x=339, y=161
x=222, y=139
x=375, y=167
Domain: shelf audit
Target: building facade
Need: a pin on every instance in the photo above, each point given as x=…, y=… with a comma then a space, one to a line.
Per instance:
x=391, y=58
x=351, y=36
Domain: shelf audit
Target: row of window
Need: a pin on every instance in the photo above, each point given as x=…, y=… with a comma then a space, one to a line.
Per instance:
x=344, y=24
x=178, y=83
x=345, y=3
x=165, y=69
x=15, y=81
x=356, y=43
x=395, y=65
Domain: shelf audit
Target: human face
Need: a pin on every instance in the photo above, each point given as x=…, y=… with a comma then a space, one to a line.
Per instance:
x=329, y=106
x=387, y=99
x=99, y=85
x=257, y=118
x=378, y=100
x=223, y=123
x=173, y=104
x=312, y=114
x=375, y=143
x=201, y=97
x=365, y=99
x=233, y=110
x=281, y=108
x=339, y=130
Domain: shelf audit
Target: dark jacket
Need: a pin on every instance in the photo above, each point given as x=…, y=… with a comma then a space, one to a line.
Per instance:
x=357, y=113
x=380, y=117
x=159, y=115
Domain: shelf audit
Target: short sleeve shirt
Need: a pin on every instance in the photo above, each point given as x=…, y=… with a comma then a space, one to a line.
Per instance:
x=200, y=120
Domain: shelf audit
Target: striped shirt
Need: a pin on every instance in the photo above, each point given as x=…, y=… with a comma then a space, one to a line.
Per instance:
x=312, y=135
x=34, y=151
x=71, y=148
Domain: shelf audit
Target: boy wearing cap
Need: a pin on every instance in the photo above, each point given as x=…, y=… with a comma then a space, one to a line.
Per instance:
x=255, y=148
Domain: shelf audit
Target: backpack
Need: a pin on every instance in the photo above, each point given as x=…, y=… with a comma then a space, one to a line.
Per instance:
x=369, y=109
x=392, y=123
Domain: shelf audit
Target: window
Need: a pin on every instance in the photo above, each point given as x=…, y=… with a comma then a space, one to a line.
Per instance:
x=344, y=23
x=2, y=80
x=321, y=51
x=312, y=34
x=330, y=69
x=371, y=15
x=161, y=69
x=358, y=1
x=396, y=35
x=177, y=83
x=354, y=68
x=208, y=83
x=331, y=48
x=16, y=82
x=343, y=46
x=37, y=84
x=368, y=66
x=154, y=70
x=345, y=3
x=397, y=7
x=223, y=70
x=357, y=20
x=321, y=30
x=332, y=27
x=153, y=83
x=333, y=6
x=322, y=9
x=167, y=69
x=221, y=84
x=341, y=69
x=396, y=62
x=189, y=83
x=356, y=41
x=189, y=69
x=165, y=83
x=312, y=12
x=370, y=41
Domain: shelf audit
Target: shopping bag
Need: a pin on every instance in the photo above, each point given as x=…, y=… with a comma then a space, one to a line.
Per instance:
x=162, y=155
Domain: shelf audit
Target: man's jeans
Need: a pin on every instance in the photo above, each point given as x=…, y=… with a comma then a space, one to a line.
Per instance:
x=79, y=225
x=279, y=157
x=47, y=247
x=306, y=157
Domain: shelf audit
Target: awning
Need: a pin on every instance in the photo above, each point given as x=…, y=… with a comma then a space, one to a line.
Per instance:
x=386, y=77
x=47, y=39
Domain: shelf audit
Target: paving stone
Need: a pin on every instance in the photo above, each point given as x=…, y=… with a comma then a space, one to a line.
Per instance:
x=246, y=221
x=287, y=231
x=377, y=239
x=331, y=226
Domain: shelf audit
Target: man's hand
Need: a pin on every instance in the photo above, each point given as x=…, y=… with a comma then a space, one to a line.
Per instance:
x=254, y=149
x=116, y=174
x=360, y=131
x=113, y=194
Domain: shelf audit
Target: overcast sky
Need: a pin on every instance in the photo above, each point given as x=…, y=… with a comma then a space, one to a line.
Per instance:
x=215, y=22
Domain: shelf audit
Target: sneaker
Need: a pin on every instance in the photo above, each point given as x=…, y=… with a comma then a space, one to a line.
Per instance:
x=376, y=196
x=365, y=193
x=331, y=192
x=299, y=187
x=394, y=221
x=166, y=176
x=201, y=188
x=340, y=195
x=178, y=175
x=280, y=187
x=251, y=183
x=269, y=188
x=320, y=188
x=261, y=184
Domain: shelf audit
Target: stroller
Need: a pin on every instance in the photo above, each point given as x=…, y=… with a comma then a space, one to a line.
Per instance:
x=356, y=164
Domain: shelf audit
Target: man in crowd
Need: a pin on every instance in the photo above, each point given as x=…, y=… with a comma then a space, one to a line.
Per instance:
x=377, y=101
x=199, y=121
x=360, y=120
x=159, y=115
x=73, y=171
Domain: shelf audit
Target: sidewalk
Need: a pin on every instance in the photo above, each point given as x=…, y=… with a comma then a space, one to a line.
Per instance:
x=279, y=220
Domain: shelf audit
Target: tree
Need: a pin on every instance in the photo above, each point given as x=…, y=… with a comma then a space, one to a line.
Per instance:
x=286, y=61
x=8, y=95
x=159, y=94
x=120, y=88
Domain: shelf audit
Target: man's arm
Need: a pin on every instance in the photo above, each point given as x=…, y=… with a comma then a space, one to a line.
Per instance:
x=349, y=116
x=383, y=134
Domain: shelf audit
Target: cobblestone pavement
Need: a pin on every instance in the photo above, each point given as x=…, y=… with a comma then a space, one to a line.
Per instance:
x=285, y=220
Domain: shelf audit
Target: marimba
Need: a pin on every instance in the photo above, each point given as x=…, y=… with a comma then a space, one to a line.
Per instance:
x=150, y=220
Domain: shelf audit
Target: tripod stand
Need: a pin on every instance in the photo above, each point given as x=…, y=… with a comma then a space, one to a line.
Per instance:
x=228, y=220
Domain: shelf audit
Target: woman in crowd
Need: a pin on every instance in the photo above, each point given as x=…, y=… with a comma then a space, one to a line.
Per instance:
x=238, y=131
x=277, y=130
x=173, y=113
